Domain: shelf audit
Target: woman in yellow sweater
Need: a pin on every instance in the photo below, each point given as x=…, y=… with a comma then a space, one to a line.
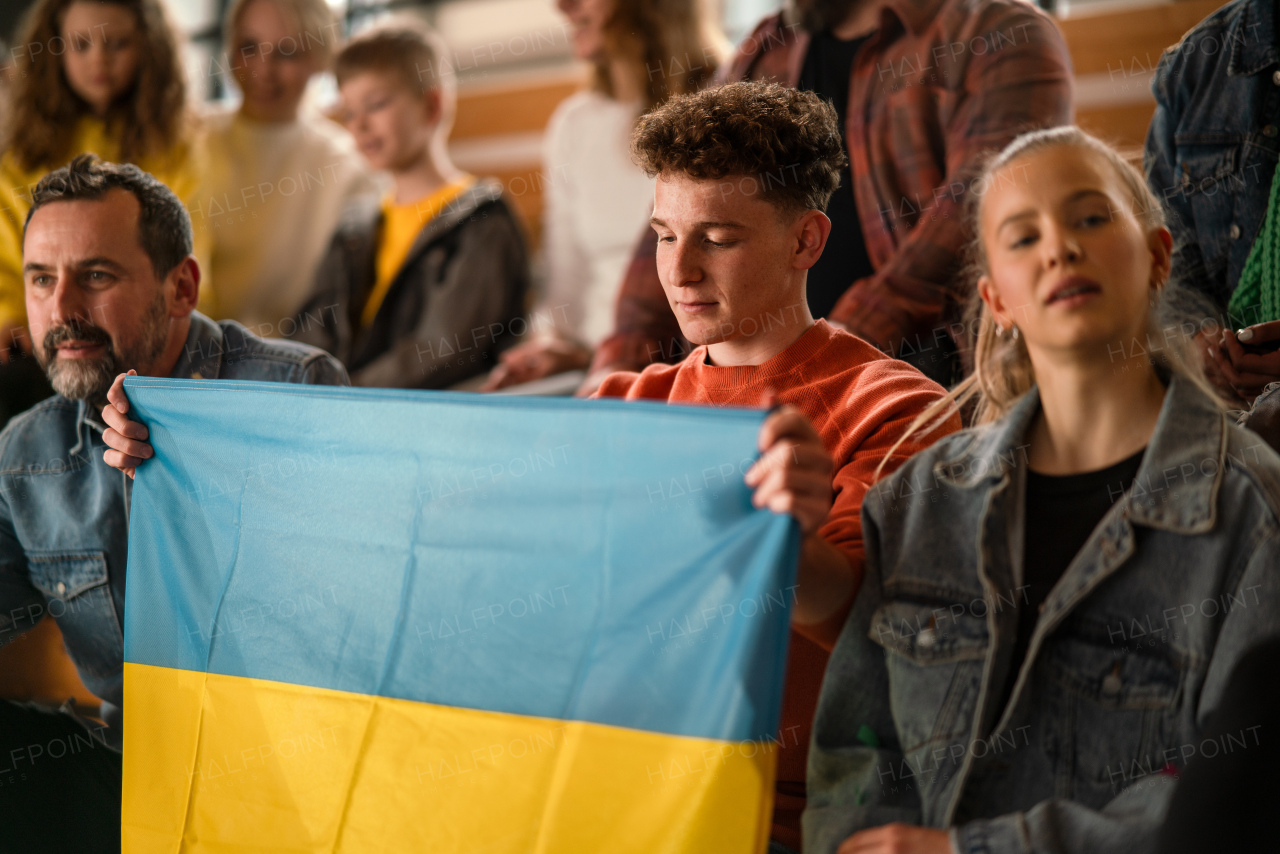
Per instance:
x=100, y=77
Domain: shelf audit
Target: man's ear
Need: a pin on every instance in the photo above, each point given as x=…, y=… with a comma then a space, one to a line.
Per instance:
x=185, y=279
x=811, y=230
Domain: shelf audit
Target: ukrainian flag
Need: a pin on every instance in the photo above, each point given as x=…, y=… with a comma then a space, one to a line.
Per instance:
x=364, y=620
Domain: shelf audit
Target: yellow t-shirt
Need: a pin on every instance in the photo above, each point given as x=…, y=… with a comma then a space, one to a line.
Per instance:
x=180, y=171
x=401, y=225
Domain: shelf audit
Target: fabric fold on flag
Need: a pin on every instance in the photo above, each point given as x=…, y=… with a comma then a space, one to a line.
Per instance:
x=366, y=620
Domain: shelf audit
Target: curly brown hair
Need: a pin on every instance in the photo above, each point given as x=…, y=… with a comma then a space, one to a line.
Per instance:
x=149, y=120
x=674, y=47
x=787, y=140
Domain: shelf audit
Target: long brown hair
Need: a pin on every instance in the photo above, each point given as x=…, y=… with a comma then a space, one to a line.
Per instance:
x=149, y=120
x=1002, y=369
x=674, y=46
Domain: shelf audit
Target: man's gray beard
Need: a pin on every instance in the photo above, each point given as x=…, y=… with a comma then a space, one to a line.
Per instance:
x=90, y=379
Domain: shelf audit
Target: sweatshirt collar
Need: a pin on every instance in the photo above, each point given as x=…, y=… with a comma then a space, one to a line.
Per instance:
x=804, y=348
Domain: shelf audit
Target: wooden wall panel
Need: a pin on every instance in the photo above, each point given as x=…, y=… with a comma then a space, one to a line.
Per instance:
x=1108, y=42
x=1124, y=126
x=514, y=108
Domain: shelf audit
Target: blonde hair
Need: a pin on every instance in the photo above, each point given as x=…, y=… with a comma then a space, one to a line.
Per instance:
x=1002, y=369
x=317, y=27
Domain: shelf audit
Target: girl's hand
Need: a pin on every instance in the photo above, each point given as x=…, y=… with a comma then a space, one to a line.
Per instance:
x=1250, y=372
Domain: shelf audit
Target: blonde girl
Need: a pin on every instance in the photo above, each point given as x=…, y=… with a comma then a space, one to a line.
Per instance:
x=1011, y=677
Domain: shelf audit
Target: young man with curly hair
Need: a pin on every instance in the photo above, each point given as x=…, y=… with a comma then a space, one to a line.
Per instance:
x=923, y=89
x=744, y=173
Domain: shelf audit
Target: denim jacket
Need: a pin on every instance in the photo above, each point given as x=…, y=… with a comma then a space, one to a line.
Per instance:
x=1213, y=142
x=1131, y=650
x=64, y=512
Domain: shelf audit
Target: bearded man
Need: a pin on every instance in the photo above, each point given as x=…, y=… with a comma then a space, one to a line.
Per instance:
x=111, y=286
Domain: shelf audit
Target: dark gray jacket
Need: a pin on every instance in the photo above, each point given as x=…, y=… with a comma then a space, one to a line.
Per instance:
x=449, y=310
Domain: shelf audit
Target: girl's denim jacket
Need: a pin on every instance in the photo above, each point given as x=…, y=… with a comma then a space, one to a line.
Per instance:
x=1131, y=650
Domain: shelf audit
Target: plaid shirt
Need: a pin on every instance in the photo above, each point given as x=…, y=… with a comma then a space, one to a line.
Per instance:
x=939, y=84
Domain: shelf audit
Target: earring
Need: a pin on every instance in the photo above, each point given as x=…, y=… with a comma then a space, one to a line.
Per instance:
x=1014, y=336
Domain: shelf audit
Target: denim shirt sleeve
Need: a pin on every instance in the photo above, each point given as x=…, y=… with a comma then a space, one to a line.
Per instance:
x=323, y=369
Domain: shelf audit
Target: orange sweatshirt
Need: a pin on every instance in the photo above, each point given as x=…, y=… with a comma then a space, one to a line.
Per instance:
x=860, y=401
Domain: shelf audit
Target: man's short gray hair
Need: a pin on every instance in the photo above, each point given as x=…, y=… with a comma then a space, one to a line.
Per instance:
x=164, y=226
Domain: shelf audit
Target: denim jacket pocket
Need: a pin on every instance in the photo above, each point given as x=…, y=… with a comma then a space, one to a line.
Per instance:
x=935, y=660
x=1118, y=713
x=78, y=596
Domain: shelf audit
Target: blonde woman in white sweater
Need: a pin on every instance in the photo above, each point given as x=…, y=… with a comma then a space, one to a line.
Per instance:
x=279, y=176
x=641, y=52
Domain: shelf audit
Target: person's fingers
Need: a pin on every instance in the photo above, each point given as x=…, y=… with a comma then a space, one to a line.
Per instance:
x=1248, y=379
x=124, y=462
x=789, y=479
x=123, y=425
x=802, y=493
x=1214, y=364
x=1267, y=364
x=785, y=422
x=130, y=447
x=1246, y=384
x=788, y=452
x=592, y=383
x=1260, y=333
x=863, y=842
x=1231, y=346
x=116, y=396
x=498, y=378
x=1225, y=367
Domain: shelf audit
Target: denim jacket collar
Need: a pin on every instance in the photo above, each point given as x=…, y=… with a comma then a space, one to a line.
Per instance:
x=201, y=358
x=1253, y=38
x=1187, y=450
